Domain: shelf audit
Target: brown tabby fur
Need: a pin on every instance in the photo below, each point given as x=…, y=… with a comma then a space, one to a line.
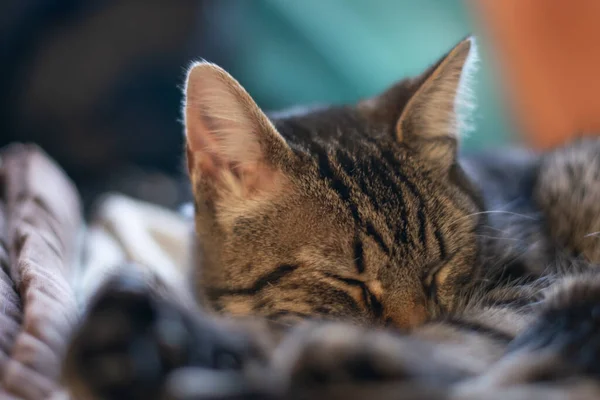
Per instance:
x=353, y=225
x=353, y=214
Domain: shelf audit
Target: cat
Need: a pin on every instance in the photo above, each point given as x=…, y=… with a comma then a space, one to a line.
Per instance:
x=352, y=251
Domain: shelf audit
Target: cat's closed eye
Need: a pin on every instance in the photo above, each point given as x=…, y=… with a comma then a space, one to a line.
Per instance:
x=429, y=283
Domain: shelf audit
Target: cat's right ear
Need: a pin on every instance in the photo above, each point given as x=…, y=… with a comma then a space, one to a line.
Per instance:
x=232, y=147
x=428, y=113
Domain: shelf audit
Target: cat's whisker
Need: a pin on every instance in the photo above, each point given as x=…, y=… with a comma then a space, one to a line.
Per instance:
x=493, y=228
x=496, y=237
x=497, y=212
x=593, y=234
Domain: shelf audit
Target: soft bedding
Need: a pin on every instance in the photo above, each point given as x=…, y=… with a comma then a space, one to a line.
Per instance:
x=51, y=261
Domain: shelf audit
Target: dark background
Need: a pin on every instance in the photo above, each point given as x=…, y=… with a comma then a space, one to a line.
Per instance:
x=97, y=84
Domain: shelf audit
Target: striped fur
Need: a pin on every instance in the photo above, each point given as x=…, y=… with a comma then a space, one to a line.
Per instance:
x=357, y=217
x=361, y=256
x=378, y=224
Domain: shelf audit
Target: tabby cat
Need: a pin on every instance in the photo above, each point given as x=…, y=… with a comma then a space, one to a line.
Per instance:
x=349, y=251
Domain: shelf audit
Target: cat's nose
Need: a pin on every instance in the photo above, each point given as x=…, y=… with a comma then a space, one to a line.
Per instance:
x=406, y=318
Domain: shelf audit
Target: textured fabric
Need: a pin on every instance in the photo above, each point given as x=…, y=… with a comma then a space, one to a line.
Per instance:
x=126, y=232
x=46, y=279
x=40, y=225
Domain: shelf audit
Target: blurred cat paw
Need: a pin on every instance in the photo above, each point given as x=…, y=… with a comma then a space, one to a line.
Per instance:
x=568, y=328
x=334, y=354
x=131, y=340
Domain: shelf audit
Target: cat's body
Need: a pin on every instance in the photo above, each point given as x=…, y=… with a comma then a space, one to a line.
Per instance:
x=362, y=218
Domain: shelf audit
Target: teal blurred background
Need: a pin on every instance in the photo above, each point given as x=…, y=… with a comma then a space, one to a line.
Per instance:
x=337, y=51
x=97, y=83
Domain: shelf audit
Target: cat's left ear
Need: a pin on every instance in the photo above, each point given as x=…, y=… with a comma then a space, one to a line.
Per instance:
x=430, y=112
x=232, y=146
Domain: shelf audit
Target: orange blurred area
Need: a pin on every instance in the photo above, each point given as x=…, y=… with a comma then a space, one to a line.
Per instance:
x=549, y=56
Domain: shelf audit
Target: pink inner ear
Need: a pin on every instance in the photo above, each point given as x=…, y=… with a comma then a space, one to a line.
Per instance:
x=201, y=148
x=227, y=132
x=206, y=157
x=199, y=134
x=260, y=178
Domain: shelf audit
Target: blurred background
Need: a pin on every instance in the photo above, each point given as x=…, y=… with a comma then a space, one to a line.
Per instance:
x=97, y=84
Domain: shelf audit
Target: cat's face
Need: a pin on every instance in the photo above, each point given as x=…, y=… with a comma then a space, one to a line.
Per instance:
x=357, y=212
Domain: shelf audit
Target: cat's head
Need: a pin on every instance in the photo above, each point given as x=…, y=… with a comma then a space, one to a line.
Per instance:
x=359, y=212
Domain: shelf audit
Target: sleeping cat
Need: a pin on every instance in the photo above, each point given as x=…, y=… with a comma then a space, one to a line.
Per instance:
x=350, y=251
